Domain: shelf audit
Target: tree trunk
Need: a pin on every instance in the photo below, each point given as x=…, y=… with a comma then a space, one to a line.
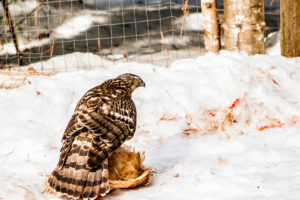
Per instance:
x=290, y=28
x=244, y=26
x=211, y=25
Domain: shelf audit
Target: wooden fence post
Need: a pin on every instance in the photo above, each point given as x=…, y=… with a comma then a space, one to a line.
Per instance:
x=211, y=25
x=290, y=28
x=244, y=26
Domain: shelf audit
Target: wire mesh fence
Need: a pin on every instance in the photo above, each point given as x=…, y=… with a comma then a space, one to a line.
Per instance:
x=51, y=33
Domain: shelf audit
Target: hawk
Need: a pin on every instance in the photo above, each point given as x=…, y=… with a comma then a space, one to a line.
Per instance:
x=103, y=119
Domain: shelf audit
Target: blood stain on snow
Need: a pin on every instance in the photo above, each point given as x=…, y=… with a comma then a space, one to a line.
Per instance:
x=212, y=114
x=234, y=104
x=275, y=123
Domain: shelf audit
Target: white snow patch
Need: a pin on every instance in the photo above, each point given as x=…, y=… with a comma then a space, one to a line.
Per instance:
x=73, y=61
x=17, y=8
x=275, y=50
x=192, y=22
x=79, y=23
x=273, y=43
x=9, y=48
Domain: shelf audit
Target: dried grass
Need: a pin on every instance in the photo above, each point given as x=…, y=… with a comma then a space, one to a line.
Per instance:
x=11, y=79
x=51, y=50
x=28, y=194
x=166, y=117
x=163, y=44
x=185, y=9
x=99, y=47
x=9, y=153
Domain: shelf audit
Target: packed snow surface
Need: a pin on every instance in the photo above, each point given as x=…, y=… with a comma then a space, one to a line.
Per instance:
x=216, y=127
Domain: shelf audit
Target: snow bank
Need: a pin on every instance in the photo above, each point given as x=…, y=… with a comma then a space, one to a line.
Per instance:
x=79, y=23
x=21, y=7
x=190, y=22
x=217, y=127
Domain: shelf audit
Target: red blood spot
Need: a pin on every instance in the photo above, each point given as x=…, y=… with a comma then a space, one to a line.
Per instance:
x=274, y=123
x=212, y=114
x=235, y=103
x=263, y=128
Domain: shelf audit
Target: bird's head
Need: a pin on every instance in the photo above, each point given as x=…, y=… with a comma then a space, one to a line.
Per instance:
x=130, y=82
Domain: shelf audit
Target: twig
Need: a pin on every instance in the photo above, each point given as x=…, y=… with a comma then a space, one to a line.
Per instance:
x=26, y=16
x=36, y=25
x=271, y=2
x=7, y=154
x=99, y=46
x=47, y=50
x=52, y=47
x=126, y=55
x=163, y=44
x=185, y=9
x=12, y=31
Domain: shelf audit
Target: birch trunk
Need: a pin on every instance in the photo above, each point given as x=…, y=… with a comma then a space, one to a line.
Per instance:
x=244, y=26
x=211, y=25
x=290, y=28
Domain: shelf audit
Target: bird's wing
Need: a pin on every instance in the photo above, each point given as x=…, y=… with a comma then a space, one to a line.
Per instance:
x=113, y=129
x=73, y=129
x=82, y=119
x=111, y=122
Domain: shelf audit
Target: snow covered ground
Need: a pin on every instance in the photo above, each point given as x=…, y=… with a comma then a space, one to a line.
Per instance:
x=216, y=127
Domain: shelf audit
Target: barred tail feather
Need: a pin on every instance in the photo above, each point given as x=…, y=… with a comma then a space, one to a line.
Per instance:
x=74, y=179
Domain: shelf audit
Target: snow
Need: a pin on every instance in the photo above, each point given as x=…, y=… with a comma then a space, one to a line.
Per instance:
x=9, y=48
x=21, y=7
x=220, y=126
x=79, y=23
x=192, y=22
x=71, y=62
x=273, y=44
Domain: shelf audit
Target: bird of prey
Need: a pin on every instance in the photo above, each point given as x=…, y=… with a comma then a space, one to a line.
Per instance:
x=103, y=119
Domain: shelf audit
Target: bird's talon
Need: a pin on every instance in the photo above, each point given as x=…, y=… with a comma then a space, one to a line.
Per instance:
x=48, y=188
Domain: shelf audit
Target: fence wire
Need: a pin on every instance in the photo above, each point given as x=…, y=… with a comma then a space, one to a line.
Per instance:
x=97, y=33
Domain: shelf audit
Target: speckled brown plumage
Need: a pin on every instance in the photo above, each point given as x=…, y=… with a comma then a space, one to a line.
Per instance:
x=103, y=119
